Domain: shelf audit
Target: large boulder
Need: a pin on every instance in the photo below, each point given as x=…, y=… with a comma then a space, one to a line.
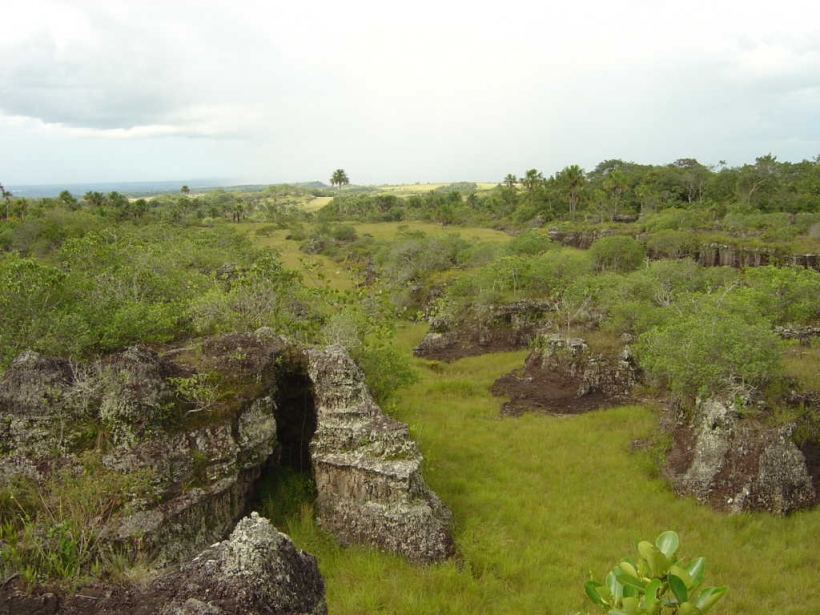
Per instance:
x=367, y=469
x=256, y=571
x=738, y=464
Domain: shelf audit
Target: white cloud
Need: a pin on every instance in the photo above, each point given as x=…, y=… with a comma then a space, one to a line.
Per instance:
x=409, y=91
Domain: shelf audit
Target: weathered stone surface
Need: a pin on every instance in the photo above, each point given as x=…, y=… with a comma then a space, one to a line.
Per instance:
x=493, y=329
x=137, y=396
x=595, y=373
x=36, y=416
x=257, y=571
x=739, y=464
x=366, y=468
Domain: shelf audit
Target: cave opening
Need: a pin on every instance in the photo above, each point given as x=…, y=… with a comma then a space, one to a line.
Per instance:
x=287, y=483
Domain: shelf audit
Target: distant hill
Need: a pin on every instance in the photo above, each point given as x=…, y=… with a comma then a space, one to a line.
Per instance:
x=131, y=188
x=146, y=188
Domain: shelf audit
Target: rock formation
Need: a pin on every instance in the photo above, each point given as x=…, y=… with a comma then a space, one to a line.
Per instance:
x=256, y=571
x=367, y=469
x=204, y=461
x=738, y=464
x=492, y=329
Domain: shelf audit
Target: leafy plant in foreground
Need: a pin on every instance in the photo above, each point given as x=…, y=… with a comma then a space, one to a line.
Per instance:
x=658, y=584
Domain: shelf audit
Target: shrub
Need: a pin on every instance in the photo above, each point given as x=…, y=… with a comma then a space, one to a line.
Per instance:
x=658, y=584
x=617, y=253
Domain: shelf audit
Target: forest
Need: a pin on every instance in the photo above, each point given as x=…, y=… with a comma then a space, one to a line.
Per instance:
x=706, y=276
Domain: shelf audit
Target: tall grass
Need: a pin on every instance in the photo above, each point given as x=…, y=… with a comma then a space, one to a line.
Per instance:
x=541, y=501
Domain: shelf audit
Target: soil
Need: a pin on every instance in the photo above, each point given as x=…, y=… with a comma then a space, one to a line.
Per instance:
x=459, y=344
x=536, y=389
x=94, y=600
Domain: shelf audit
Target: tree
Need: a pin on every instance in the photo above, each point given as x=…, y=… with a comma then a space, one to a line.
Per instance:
x=185, y=190
x=6, y=195
x=339, y=178
x=510, y=181
x=532, y=180
x=573, y=178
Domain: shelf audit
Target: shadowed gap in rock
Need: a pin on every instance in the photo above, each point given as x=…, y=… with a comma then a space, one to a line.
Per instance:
x=287, y=479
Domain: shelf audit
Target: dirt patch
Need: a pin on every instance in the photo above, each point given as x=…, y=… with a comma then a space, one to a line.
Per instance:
x=552, y=392
x=459, y=344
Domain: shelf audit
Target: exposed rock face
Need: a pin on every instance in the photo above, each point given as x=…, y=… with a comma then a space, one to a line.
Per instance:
x=595, y=373
x=562, y=376
x=367, y=469
x=35, y=406
x=739, y=464
x=137, y=395
x=257, y=571
x=498, y=328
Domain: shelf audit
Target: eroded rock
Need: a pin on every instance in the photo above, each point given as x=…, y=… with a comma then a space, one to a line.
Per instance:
x=739, y=464
x=366, y=468
x=256, y=571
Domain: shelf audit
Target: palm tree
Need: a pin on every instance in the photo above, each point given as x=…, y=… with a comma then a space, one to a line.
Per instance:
x=532, y=180
x=6, y=196
x=511, y=180
x=339, y=178
x=185, y=190
x=573, y=177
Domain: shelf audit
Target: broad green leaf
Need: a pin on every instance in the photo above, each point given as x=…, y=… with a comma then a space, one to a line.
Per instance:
x=682, y=574
x=651, y=597
x=591, y=588
x=631, y=605
x=630, y=581
x=696, y=568
x=628, y=567
x=658, y=563
x=668, y=544
x=678, y=588
x=615, y=588
x=687, y=608
x=709, y=597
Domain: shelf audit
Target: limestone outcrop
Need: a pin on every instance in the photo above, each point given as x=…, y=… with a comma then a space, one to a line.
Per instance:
x=203, y=455
x=256, y=571
x=492, y=329
x=738, y=464
x=366, y=468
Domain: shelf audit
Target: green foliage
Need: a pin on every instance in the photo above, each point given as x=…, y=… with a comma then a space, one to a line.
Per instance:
x=51, y=531
x=659, y=583
x=530, y=243
x=617, y=253
x=709, y=348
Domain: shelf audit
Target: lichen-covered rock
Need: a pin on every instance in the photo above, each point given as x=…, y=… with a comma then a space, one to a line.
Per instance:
x=366, y=468
x=36, y=414
x=137, y=397
x=204, y=479
x=613, y=376
x=256, y=571
x=739, y=464
x=492, y=329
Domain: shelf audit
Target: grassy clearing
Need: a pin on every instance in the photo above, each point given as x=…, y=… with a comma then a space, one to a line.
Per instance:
x=802, y=362
x=315, y=268
x=317, y=203
x=389, y=230
x=540, y=501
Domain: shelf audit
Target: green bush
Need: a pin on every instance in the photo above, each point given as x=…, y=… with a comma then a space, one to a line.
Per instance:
x=617, y=253
x=659, y=583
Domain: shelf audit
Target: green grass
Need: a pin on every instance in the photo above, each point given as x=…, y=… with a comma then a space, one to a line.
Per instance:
x=389, y=230
x=803, y=363
x=540, y=501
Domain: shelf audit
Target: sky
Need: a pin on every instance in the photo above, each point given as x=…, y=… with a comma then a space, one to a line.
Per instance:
x=395, y=92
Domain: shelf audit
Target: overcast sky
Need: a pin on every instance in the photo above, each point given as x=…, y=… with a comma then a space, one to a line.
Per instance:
x=446, y=90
